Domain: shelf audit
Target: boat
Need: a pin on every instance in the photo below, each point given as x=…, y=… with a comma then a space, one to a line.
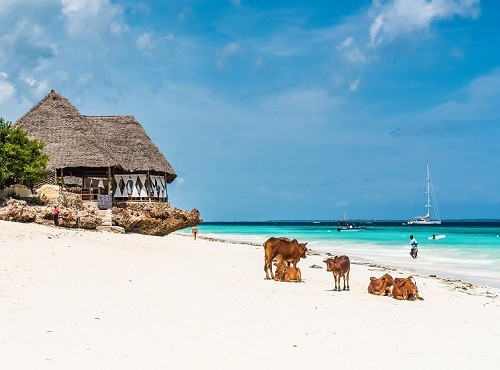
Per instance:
x=430, y=202
x=349, y=226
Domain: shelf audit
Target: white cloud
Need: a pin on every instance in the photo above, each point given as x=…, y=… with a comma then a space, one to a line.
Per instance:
x=350, y=51
x=478, y=100
x=85, y=78
x=85, y=17
x=341, y=204
x=144, y=41
x=147, y=41
x=6, y=92
x=30, y=82
x=397, y=18
x=229, y=50
x=37, y=87
x=233, y=48
x=9, y=7
x=301, y=105
x=354, y=85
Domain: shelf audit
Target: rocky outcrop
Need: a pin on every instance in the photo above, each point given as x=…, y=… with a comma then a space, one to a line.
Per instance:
x=143, y=218
x=84, y=217
x=48, y=194
x=153, y=218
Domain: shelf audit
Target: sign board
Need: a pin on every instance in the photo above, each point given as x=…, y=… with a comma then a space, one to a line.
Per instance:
x=104, y=201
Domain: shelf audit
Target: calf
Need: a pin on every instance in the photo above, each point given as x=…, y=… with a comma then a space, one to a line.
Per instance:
x=405, y=289
x=340, y=267
x=381, y=286
x=287, y=273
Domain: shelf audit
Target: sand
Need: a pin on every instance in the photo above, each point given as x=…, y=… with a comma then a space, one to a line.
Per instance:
x=74, y=299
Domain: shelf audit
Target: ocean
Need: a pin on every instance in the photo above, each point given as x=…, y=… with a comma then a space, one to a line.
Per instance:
x=464, y=250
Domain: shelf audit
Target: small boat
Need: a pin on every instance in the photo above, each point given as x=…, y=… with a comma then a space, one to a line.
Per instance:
x=347, y=226
x=431, y=202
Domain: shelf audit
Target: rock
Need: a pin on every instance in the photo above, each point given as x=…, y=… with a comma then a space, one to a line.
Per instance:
x=153, y=218
x=48, y=194
x=111, y=229
x=144, y=218
x=16, y=191
x=18, y=210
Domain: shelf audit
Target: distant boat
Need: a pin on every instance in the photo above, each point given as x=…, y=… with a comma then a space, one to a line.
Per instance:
x=431, y=201
x=345, y=225
x=351, y=227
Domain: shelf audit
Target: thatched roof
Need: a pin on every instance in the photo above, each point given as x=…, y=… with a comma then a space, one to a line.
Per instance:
x=74, y=140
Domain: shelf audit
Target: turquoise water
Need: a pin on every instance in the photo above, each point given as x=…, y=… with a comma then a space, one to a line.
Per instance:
x=469, y=251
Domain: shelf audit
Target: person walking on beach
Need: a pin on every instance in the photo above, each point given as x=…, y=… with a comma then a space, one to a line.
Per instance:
x=195, y=232
x=414, y=247
x=55, y=214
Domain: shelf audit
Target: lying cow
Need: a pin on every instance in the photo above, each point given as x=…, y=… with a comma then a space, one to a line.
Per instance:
x=381, y=286
x=284, y=250
x=287, y=273
x=405, y=289
x=340, y=267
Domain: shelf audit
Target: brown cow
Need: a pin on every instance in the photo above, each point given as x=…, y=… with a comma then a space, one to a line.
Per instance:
x=284, y=250
x=287, y=273
x=381, y=286
x=405, y=289
x=339, y=266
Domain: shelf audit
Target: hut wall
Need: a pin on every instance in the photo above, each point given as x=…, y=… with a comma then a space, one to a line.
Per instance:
x=140, y=186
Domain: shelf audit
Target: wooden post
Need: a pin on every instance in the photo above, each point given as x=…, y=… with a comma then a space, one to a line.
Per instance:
x=110, y=182
x=148, y=179
x=166, y=186
x=83, y=183
x=62, y=178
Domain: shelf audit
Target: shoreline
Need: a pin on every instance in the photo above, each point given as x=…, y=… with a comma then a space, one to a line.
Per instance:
x=479, y=267
x=87, y=299
x=458, y=284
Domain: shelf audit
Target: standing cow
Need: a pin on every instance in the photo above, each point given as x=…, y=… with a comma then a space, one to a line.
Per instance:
x=284, y=250
x=340, y=267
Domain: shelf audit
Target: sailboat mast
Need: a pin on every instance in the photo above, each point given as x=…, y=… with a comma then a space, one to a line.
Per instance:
x=426, y=220
x=428, y=192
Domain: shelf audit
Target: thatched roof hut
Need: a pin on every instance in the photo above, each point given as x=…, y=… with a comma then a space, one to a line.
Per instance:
x=83, y=146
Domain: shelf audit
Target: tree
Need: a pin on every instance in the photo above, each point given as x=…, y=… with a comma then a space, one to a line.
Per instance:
x=20, y=157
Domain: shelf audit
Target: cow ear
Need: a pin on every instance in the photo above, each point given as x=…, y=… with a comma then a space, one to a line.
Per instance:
x=305, y=243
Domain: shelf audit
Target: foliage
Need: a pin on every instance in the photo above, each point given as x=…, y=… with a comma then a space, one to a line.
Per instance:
x=20, y=157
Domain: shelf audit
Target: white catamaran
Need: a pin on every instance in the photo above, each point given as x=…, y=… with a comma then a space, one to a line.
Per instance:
x=431, y=202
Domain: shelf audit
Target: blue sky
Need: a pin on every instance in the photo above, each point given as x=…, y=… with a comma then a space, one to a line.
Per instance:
x=281, y=109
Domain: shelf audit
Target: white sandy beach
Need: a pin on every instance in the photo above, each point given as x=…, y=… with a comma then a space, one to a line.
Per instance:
x=74, y=299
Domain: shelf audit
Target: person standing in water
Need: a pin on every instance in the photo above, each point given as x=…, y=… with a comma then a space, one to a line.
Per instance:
x=414, y=247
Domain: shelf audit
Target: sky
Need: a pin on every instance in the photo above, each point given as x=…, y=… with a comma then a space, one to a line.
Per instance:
x=281, y=110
